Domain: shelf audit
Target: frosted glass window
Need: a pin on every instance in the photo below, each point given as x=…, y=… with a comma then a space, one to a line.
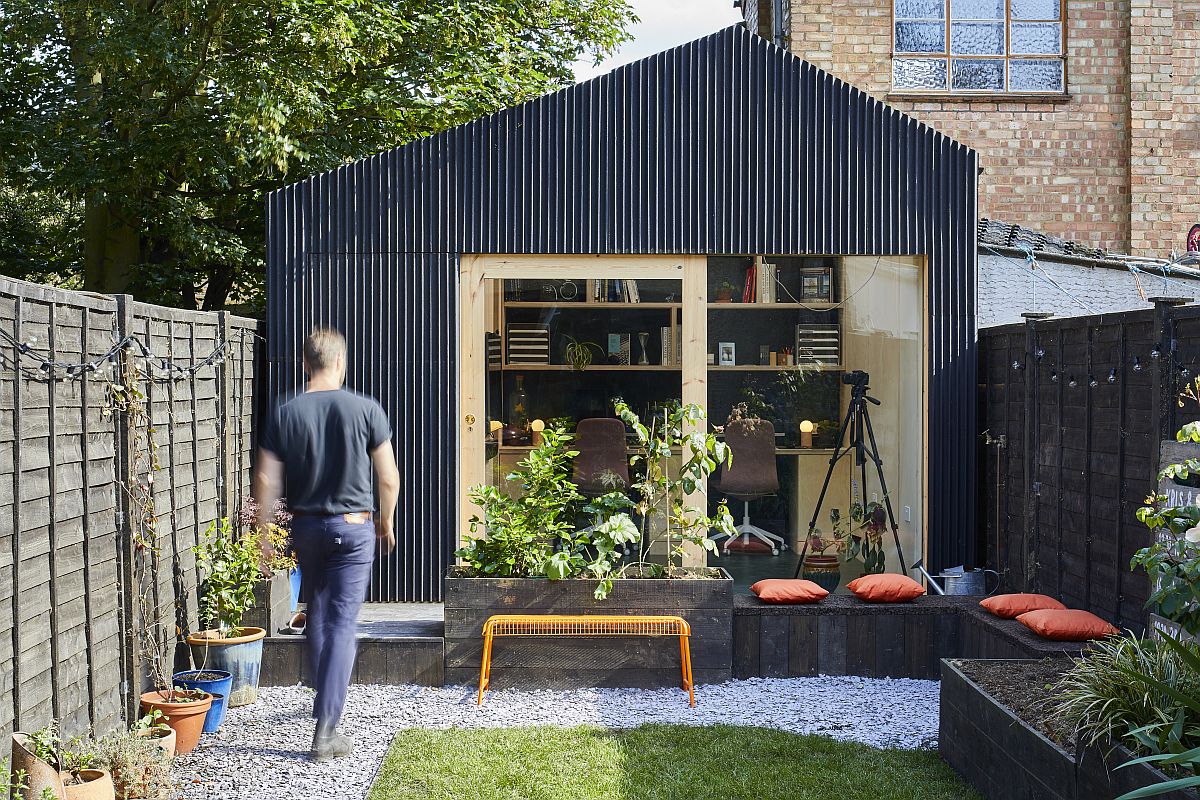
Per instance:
x=919, y=73
x=1035, y=38
x=978, y=46
x=920, y=37
x=1035, y=9
x=975, y=74
x=1035, y=75
x=977, y=9
x=920, y=9
x=977, y=38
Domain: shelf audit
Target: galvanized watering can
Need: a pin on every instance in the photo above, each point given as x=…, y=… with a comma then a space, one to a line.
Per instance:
x=959, y=580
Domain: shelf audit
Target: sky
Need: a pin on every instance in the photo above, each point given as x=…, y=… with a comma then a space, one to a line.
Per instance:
x=664, y=24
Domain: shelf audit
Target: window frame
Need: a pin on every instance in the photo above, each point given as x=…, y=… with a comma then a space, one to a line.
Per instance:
x=1007, y=57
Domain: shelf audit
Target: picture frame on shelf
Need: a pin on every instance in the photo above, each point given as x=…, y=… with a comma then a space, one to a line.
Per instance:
x=726, y=354
x=816, y=285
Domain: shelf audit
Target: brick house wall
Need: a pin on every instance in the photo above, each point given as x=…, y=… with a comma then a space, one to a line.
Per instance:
x=1112, y=163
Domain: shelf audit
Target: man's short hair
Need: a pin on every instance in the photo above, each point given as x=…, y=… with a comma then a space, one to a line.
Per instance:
x=322, y=348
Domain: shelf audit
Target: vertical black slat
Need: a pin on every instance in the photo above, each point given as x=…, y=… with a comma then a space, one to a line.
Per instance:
x=18, y=716
x=1058, y=498
x=1119, y=567
x=1087, y=475
x=85, y=351
x=52, y=501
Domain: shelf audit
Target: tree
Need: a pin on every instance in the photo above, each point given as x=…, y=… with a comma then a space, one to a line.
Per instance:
x=168, y=120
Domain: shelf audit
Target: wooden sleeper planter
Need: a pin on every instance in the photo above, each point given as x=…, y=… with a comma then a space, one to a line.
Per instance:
x=1003, y=757
x=706, y=604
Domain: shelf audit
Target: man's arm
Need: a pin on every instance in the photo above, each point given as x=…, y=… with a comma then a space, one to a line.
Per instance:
x=383, y=458
x=268, y=485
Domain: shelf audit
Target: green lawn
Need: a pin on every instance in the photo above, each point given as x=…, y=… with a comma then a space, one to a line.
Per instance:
x=654, y=762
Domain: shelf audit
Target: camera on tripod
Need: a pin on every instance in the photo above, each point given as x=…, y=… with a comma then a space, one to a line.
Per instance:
x=856, y=377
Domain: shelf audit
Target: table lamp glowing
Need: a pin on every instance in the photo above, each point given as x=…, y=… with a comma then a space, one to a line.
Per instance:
x=537, y=426
x=806, y=433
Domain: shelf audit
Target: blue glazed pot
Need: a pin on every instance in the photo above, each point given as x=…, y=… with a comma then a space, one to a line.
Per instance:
x=294, y=580
x=240, y=656
x=218, y=687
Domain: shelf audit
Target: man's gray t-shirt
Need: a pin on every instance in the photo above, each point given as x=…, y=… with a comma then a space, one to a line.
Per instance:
x=324, y=440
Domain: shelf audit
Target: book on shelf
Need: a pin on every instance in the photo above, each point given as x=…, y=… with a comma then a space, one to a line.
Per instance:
x=767, y=280
x=618, y=345
x=665, y=354
x=528, y=343
x=677, y=341
x=749, y=286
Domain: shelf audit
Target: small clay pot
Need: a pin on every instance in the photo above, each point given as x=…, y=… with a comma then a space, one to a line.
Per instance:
x=95, y=784
x=825, y=571
x=184, y=716
x=163, y=737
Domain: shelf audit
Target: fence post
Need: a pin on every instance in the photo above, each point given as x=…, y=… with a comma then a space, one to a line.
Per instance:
x=1029, y=562
x=127, y=589
x=1166, y=383
x=226, y=482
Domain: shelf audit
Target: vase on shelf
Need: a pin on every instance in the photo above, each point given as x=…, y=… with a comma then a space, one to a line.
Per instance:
x=517, y=430
x=642, y=339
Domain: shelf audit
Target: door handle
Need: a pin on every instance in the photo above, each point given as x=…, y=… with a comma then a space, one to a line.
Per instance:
x=469, y=419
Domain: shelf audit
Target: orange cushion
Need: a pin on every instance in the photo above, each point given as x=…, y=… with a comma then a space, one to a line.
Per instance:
x=788, y=590
x=1008, y=606
x=886, y=588
x=1066, y=624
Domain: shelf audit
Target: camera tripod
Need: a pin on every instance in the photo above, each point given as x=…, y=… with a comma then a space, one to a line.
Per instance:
x=857, y=428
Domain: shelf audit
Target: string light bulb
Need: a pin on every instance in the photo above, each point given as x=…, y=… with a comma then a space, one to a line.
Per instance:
x=1112, y=375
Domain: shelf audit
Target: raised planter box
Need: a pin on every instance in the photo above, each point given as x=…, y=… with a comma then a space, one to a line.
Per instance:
x=272, y=605
x=706, y=603
x=1003, y=757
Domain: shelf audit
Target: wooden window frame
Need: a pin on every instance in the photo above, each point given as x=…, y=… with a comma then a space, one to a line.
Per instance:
x=1007, y=57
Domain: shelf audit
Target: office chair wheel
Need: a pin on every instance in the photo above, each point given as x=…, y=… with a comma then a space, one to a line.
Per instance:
x=774, y=551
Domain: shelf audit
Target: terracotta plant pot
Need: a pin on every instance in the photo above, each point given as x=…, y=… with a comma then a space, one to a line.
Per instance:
x=163, y=737
x=185, y=717
x=39, y=775
x=95, y=784
x=241, y=656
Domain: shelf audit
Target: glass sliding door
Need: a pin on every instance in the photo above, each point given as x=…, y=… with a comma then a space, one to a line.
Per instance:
x=552, y=341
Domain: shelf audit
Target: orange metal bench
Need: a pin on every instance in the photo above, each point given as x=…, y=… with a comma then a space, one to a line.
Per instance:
x=585, y=625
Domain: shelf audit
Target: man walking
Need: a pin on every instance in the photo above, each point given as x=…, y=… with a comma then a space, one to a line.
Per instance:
x=319, y=449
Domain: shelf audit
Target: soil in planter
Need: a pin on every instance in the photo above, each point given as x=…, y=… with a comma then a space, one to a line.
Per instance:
x=208, y=676
x=1027, y=689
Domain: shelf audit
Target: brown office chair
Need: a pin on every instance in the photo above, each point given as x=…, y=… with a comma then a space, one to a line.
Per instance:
x=601, y=466
x=752, y=475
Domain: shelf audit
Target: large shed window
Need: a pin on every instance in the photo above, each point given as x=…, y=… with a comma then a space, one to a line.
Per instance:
x=985, y=46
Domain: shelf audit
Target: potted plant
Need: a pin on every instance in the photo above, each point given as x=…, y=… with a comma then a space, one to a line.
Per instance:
x=820, y=565
x=140, y=769
x=725, y=290
x=77, y=766
x=153, y=728
x=15, y=784
x=278, y=597
x=215, y=682
x=547, y=548
x=230, y=567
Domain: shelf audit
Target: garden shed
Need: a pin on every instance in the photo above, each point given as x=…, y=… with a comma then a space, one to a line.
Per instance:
x=720, y=223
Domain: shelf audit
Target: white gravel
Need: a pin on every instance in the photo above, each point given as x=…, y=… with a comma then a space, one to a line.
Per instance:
x=261, y=751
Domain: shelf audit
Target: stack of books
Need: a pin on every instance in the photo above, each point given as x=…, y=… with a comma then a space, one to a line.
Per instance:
x=528, y=343
x=762, y=282
x=818, y=344
x=613, y=291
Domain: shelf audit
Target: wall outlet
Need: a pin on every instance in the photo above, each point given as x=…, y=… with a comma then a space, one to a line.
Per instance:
x=908, y=513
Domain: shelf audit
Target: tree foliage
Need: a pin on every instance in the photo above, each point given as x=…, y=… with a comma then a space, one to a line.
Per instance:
x=170, y=119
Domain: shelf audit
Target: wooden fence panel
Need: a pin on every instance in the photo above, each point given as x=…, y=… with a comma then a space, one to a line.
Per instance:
x=66, y=617
x=1082, y=404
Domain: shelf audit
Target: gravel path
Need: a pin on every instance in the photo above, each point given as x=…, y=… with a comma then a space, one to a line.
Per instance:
x=261, y=751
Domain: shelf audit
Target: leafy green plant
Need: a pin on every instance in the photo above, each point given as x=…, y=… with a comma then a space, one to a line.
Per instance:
x=1172, y=562
x=518, y=533
x=230, y=567
x=1117, y=688
x=668, y=512
x=1174, y=741
x=580, y=354
x=151, y=721
x=856, y=537
x=13, y=785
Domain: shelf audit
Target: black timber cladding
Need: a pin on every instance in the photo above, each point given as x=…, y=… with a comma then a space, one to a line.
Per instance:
x=725, y=145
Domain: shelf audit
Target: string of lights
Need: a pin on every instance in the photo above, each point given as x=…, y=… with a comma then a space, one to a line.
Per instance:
x=1030, y=263
x=157, y=368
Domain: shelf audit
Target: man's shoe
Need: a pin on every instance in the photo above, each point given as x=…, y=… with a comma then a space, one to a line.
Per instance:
x=332, y=746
